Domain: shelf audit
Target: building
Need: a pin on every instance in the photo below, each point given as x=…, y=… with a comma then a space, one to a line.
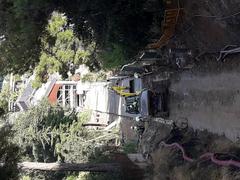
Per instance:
x=106, y=105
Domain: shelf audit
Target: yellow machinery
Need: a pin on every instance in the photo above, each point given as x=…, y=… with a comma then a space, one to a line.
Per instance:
x=121, y=90
x=171, y=18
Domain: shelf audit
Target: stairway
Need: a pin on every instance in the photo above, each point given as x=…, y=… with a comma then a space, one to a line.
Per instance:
x=171, y=17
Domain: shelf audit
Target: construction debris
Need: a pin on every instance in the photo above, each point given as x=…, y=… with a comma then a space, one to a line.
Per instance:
x=226, y=51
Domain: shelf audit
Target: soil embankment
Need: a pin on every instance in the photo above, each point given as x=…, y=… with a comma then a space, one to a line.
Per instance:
x=207, y=96
x=169, y=162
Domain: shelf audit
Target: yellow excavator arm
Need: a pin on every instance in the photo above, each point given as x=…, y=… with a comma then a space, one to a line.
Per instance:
x=121, y=91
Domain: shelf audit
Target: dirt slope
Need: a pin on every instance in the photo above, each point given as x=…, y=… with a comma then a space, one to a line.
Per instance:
x=207, y=96
x=209, y=25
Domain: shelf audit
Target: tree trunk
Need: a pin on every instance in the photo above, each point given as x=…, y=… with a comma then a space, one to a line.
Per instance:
x=90, y=167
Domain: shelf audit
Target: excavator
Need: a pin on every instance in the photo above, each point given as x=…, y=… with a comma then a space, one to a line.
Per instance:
x=121, y=90
x=151, y=103
x=147, y=102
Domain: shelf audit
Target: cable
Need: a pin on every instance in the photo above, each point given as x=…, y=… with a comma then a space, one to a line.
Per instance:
x=216, y=17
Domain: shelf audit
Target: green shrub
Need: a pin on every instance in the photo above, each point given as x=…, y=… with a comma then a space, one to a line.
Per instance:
x=93, y=77
x=4, y=97
x=114, y=58
x=9, y=154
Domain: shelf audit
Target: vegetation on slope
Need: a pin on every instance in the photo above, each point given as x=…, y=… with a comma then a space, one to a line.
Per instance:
x=49, y=134
x=122, y=23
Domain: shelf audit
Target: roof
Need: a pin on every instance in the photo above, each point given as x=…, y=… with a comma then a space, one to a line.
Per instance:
x=24, y=101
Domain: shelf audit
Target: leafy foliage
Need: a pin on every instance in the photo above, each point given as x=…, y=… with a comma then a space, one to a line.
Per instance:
x=7, y=95
x=36, y=131
x=113, y=58
x=106, y=22
x=46, y=133
x=4, y=97
x=21, y=23
x=9, y=154
x=93, y=77
x=61, y=49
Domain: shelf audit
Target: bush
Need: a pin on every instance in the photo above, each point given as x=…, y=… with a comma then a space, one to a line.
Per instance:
x=4, y=97
x=93, y=77
x=9, y=154
x=114, y=58
x=47, y=134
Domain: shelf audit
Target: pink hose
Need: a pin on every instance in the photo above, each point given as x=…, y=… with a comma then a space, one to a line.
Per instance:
x=176, y=145
x=208, y=155
x=220, y=162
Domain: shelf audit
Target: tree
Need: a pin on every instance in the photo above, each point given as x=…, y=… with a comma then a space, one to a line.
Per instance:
x=48, y=134
x=21, y=23
x=4, y=98
x=9, y=154
x=61, y=51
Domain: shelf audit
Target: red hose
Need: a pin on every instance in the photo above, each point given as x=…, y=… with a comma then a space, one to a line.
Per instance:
x=208, y=155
